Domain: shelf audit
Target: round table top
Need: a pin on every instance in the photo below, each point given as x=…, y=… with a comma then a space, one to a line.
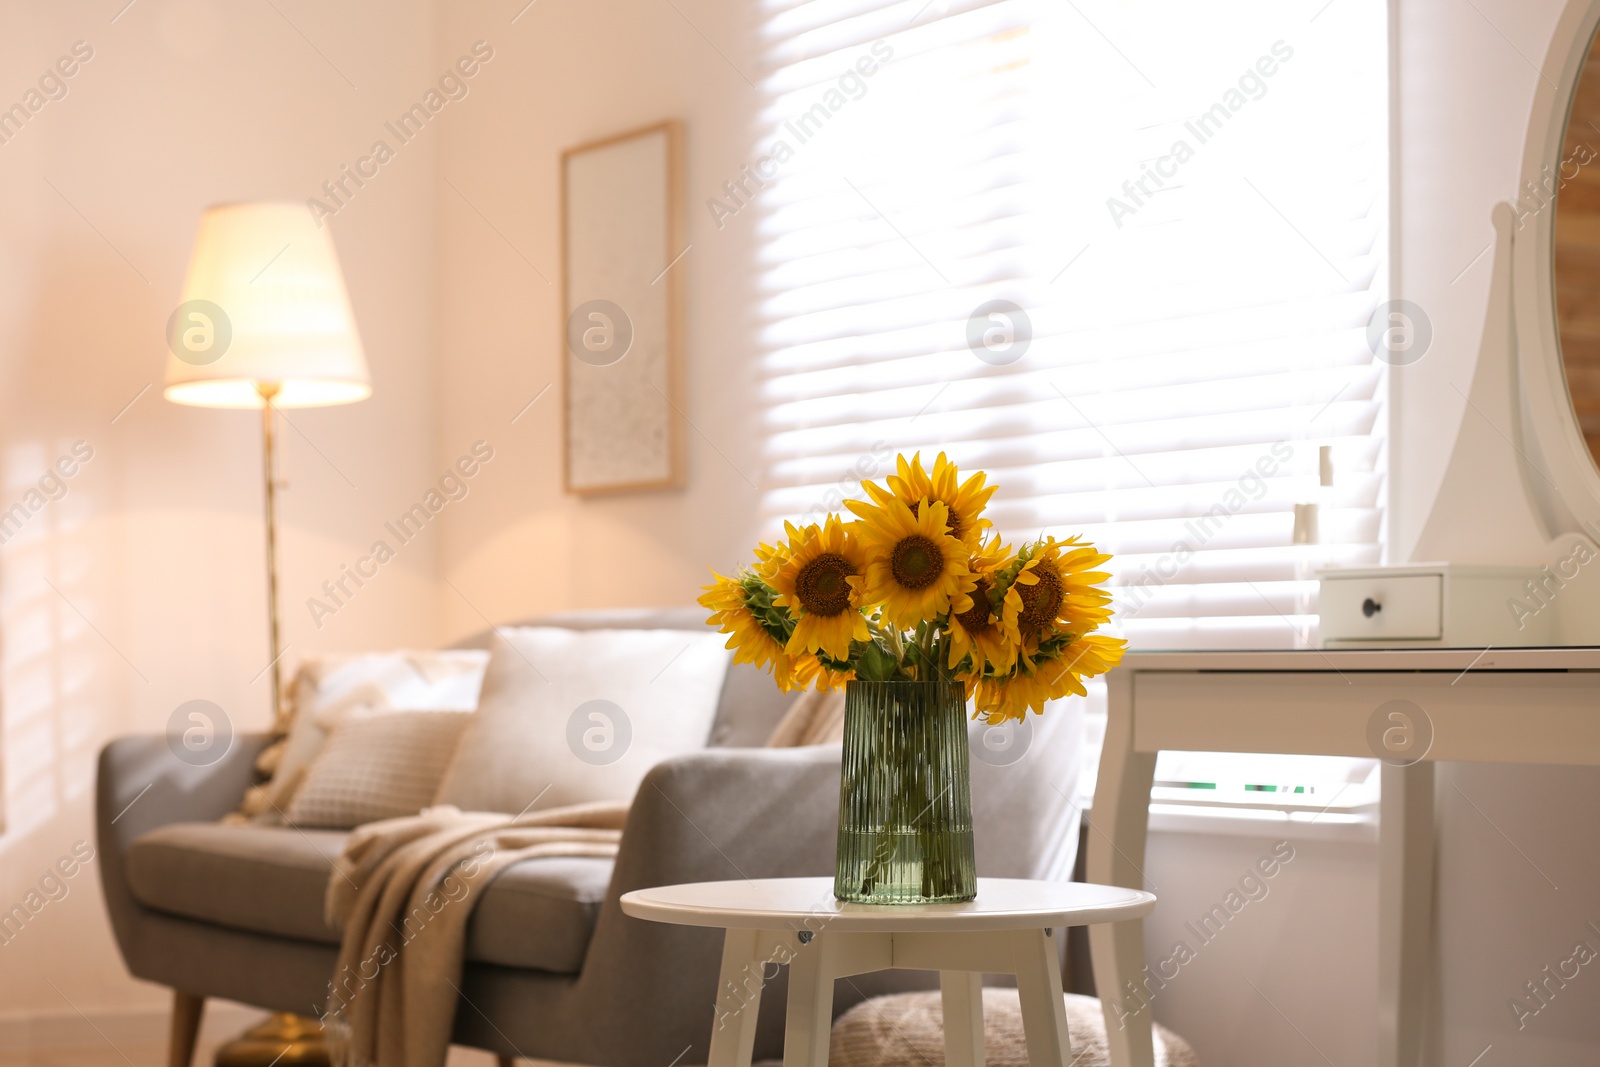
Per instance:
x=776, y=903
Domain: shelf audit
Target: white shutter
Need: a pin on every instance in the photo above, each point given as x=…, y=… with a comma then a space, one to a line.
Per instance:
x=1221, y=325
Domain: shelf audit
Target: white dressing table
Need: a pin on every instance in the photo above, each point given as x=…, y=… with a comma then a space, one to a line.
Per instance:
x=1520, y=705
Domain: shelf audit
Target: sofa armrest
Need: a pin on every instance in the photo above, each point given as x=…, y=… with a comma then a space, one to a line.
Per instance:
x=141, y=785
x=732, y=813
x=719, y=814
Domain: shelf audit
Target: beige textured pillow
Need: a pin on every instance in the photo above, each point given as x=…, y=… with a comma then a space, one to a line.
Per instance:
x=571, y=716
x=377, y=767
x=328, y=687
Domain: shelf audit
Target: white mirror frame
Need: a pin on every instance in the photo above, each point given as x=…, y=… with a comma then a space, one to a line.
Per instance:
x=1550, y=428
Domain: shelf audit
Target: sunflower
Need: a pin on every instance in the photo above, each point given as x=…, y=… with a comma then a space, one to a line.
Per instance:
x=912, y=485
x=1052, y=675
x=1010, y=698
x=810, y=671
x=915, y=569
x=818, y=579
x=753, y=641
x=769, y=558
x=987, y=631
x=1057, y=590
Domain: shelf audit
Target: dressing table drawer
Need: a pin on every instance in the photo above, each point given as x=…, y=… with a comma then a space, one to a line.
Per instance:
x=1383, y=608
x=1442, y=605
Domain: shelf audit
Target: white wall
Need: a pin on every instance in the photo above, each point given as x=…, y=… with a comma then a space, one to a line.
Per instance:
x=570, y=73
x=1306, y=942
x=155, y=552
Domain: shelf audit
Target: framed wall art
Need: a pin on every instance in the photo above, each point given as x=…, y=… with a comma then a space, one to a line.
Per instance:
x=622, y=230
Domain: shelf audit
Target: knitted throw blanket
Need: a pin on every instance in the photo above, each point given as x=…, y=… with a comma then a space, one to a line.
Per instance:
x=403, y=891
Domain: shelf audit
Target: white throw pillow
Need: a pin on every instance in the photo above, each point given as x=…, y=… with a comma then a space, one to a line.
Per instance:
x=376, y=767
x=328, y=687
x=571, y=716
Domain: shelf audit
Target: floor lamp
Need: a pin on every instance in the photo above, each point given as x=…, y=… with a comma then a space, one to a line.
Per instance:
x=265, y=323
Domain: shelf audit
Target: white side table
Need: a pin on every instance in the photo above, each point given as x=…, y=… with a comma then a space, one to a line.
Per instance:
x=797, y=921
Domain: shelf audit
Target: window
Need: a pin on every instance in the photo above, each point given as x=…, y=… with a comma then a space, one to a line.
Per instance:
x=1122, y=256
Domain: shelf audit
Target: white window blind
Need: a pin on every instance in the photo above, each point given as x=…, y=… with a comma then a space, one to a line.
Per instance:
x=1188, y=203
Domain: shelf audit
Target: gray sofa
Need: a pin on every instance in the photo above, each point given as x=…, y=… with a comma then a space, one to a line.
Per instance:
x=554, y=969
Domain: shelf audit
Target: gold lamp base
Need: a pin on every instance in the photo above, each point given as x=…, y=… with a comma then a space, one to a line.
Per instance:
x=284, y=1039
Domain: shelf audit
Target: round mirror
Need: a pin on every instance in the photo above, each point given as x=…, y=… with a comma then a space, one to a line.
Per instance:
x=1577, y=250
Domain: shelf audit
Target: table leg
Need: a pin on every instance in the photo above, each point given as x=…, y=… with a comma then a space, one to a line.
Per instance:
x=1116, y=857
x=1405, y=910
x=961, y=993
x=733, y=1037
x=1044, y=1012
x=810, y=1018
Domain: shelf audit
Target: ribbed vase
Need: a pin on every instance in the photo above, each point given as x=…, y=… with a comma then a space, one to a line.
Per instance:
x=905, y=796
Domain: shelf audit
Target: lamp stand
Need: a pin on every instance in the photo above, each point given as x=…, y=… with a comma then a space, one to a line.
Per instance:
x=282, y=1038
x=269, y=470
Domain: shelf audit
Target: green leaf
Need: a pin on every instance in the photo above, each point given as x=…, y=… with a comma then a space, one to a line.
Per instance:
x=875, y=664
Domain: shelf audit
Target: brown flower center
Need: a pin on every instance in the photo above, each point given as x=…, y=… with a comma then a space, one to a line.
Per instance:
x=822, y=587
x=916, y=562
x=978, y=619
x=1041, y=601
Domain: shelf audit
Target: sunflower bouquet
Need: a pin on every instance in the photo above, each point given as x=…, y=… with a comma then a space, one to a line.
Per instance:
x=917, y=586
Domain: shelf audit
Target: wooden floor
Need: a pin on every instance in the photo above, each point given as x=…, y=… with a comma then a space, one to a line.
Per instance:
x=129, y=1054
x=114, y=1045
x=102, y=1054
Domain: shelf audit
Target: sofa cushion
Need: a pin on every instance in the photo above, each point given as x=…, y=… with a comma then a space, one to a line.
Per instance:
x=571, y=717
x=265, y=879
x=329, y=688
x=538, y=914
x=376, y=767
x=750, y=706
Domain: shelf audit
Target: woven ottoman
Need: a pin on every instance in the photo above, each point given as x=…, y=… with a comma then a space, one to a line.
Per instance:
x=907, y=1030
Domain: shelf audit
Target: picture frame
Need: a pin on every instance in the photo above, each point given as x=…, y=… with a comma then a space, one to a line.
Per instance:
x=623, y=234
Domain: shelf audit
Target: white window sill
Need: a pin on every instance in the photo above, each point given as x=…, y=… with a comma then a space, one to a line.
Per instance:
x=1353, y=827
x=1356, y=823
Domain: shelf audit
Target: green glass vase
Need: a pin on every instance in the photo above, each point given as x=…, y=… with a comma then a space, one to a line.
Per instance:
x=905, y=796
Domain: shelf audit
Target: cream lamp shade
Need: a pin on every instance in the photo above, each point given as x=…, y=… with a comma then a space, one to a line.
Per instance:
x=264, y=304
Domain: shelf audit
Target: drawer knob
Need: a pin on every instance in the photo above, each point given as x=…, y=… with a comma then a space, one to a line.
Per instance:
x=1370, y=607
